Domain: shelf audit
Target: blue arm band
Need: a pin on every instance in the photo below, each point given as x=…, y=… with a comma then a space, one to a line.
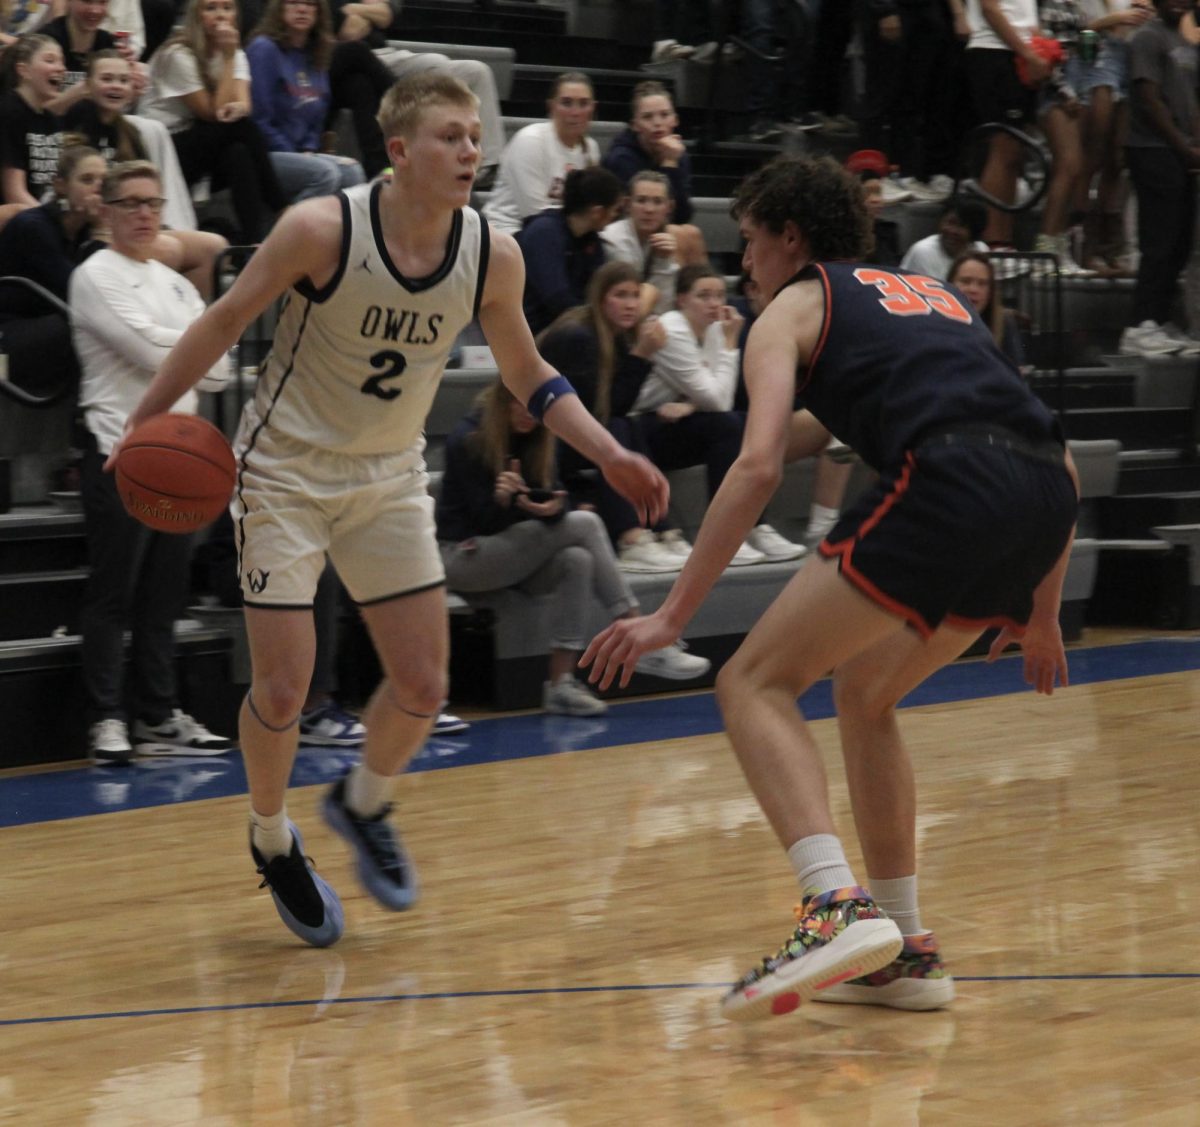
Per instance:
x=547, y=394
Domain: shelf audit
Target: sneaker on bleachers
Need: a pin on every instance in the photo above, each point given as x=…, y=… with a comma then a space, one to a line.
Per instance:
x=673, y=664
x=447, y=725
x=108, y=743
x=762, y=132
x=569, y=697
x=1188, y=344
x=934, y=190
x=705, y=53
x=669, y=50
x=675, y=543
x=765, y=539
x=644, y=553
x=746, y=556
x=806, y=122
x=893, y=191
x=838, y=123
x=328, y=725
x=179, y=734
x=1146, y=339
x=1060, y=247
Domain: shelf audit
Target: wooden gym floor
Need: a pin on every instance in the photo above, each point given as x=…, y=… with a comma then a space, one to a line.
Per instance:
x=590, y=888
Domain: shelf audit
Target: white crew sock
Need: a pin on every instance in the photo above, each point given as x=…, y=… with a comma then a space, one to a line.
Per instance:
x=820, y=864
x=271, y=834
x=820, y=520
x=366, y=792
x=898, y=897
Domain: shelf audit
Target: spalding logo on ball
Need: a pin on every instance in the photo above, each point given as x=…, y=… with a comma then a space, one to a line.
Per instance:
x=175, y=473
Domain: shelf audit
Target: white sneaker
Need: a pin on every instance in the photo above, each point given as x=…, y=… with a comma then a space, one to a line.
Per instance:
x=894, y=192
x=108, y=742
x=178, y=734
x=1146, y=339
x=674, y=542
x=673, y=664
x=447, y=725
x=569, y=697
x=645, y=554
x=745, y=556
x=765, y=539
x=668, y=50
x=1188, y=344
x=942, y=184
x=922, y=190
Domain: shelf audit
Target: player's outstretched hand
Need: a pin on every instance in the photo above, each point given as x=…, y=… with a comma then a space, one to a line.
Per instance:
x=641, y=483
x=617, y=649
x=1042, y=646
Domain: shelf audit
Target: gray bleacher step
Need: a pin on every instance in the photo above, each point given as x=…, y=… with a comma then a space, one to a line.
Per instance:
x=502, y=60
x=39, y=604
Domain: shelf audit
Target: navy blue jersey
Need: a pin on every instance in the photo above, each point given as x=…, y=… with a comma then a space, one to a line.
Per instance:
x=901, y=356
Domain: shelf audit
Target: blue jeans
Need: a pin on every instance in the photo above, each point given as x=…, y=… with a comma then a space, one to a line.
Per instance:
x=303, y=176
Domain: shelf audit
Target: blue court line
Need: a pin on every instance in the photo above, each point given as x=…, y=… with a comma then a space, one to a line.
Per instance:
x=73, y=793
x=378, y=999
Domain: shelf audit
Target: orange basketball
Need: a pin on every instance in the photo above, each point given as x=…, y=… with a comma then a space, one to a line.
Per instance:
x=175, y=473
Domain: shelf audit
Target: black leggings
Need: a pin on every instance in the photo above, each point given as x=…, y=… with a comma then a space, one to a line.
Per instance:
x=235, y=155
x=357, y=82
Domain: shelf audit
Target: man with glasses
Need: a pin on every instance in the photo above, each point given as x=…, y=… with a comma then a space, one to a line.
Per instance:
x=127, y=311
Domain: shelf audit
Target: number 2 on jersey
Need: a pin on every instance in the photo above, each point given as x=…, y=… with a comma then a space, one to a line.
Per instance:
x=913, y=295
x=393, y=364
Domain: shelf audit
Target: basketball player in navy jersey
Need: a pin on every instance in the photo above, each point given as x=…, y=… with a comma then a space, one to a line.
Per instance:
x=969, y=525
x=380, y=280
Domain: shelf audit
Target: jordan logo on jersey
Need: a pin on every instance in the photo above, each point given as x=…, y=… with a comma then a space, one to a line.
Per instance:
x=407, y=325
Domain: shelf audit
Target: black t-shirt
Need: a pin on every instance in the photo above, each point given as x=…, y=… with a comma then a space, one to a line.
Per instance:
x=76, y=61
x=84, y=117
x=29, y=140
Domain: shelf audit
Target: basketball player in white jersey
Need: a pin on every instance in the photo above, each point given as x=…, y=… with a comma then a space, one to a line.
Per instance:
x=379, y=282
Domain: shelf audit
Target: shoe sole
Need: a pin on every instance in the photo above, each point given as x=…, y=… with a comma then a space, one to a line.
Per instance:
x=749, y=563
x=332, y=741
x=913, y=994
x=863, y=948
x=452, y=730
x=673, y=674
x=387, y=895
x=174, y=750
x=650, y=569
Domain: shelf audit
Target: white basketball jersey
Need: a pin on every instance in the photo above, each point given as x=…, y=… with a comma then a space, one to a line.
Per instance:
x=354, y=366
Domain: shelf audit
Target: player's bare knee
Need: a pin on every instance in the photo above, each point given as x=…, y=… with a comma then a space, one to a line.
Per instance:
x=857, y=696
x=277, y=700
x=421, y=695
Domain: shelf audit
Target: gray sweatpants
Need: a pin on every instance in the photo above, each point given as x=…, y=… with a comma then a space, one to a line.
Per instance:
x=568, y=560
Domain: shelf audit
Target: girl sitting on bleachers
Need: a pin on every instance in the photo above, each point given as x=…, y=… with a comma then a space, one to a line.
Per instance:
x=504, y=521
x=974, y=274
x=30, y=133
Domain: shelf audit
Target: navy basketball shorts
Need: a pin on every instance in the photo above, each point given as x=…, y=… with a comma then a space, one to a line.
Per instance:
x=961, y=534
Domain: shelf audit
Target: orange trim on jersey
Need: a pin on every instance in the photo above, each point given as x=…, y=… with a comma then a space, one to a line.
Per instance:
x=999, y=621
x=828, y=316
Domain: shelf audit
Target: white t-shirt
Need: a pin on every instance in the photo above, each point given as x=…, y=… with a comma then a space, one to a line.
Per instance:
x=533, y=166
x=1022, y=14
x=175, y=73
x=926, y=257
x=686, y=371
x=621, y=244
x=125, y=317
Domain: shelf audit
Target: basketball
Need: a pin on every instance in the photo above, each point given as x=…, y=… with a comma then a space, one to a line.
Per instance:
x=175, y=473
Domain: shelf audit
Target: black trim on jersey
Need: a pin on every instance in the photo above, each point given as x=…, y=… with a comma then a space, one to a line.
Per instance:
x=401, y=594
x=277, y=606
x=305, y=286
x=485, y=251
x=257, y=431
x=415, y=285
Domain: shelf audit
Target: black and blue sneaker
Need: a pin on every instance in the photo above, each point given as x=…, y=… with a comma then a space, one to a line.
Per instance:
x=305, y=902
x=384, y=866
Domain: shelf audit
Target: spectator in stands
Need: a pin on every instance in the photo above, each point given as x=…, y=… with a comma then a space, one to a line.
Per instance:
x=835, y=26
x=871, y=167
x=973, y=273
x=651, y=144
x=23, y=17
x=200, y=90
x=778, y=94
x=99, y=119
x=646, y=239
x=127, y=312
x=604, y=348
x=30, y=133
x=960, y=224
x=683, y=29
x=1162, y=152
x=535, y=163
x=505, y=521
x=289, y=84
x=79, y=34
x=562, y=246
x=44, y=244
x=684, y=414
x=358, y=78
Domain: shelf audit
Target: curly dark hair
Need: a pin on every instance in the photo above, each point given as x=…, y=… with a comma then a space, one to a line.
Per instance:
x=818, y=195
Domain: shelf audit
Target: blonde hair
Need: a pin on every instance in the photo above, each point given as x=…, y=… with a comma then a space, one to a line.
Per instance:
x=128, y=170
x=591, y=316
x=492, y=442
x=191, y=37
x=402, y=106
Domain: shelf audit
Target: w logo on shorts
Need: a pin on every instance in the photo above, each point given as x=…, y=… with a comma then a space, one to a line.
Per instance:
x=257, y=580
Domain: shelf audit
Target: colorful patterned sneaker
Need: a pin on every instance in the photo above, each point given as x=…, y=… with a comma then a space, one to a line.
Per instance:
x=383, y=864
x=305, y=902
x=839, y=934
x=915, y=980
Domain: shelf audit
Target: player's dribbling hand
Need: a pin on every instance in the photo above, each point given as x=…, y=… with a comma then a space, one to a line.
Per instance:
x=617, y=649
x=640, y=482
x=1042, y=647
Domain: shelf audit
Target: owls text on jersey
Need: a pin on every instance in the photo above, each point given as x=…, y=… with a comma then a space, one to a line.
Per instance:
x=355, y=365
